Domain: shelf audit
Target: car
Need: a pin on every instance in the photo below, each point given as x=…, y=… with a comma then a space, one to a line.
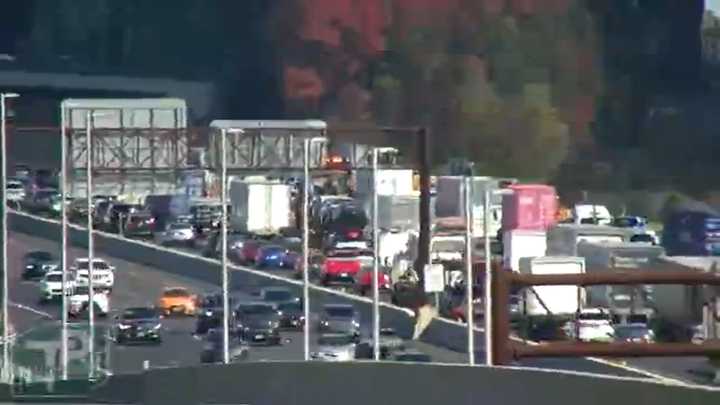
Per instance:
x=339, y=318
x=80, y=298
x=341, y=267
x=51, y=286
x=249, y=251
x=37, y=263
x=593, y=325
x=206, y=216
x=390, y=343
x=210, y=312
x=139, y=224
x=138, y=325
x=44, y=201
x=258, y=322
x=15, y=191
x=176, y=233
x=116, y=215
x=78, y=210
x=178, y=301
x=292, y=315
x=636, y=333
x=269, y=256
x=212, y=351
x=103, y=273
x=363, y=281
x=335, y=347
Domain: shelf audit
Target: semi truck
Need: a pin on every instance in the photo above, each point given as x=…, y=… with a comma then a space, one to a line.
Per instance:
x=260, y=206
x=450, y=202
x=563, y=239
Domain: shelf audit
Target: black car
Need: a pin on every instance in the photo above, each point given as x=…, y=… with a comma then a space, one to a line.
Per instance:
x=138, y=325
x=258, y=322
x=213, y=348
x=37, y=263
x=292, y=315
x=210, y=313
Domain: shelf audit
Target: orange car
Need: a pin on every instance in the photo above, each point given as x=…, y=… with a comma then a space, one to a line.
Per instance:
x=178, y=301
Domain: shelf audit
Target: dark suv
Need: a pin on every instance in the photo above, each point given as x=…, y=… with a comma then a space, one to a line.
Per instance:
x=258, y=322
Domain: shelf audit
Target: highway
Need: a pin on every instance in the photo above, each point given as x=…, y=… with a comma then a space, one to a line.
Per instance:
x=140, y=285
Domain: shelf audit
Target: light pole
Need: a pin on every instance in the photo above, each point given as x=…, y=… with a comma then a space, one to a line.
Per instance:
x=5, y=322
x=489, y=354
x=63, y=243
x=376, y=252
x=470, y=281
x=307, y=184
x=223, y=241
x=89, y=117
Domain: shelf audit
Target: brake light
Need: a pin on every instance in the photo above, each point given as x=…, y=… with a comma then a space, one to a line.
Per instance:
x=353, y=234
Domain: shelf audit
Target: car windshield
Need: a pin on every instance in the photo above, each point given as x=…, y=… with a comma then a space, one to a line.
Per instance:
x=336, y=340
x=53, y=277
x=626, y=222
x=630, y=332
x=712, y=224
x=14, y=186
x=256, y=309
x=290, y=306
x=176, y=293
x=180, y=226
x=41, y=256
x=97, y=265
x=591, y=316
x=139, y=313
x=340, y=312
x=82, y=290
x=277, y=295
x=387, y=332
x=413, y=357
x=448, y=246
x=272, y=249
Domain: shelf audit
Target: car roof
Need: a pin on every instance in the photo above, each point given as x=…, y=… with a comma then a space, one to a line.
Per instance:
x=255, y=303
x=344, y=306
x=275, y=289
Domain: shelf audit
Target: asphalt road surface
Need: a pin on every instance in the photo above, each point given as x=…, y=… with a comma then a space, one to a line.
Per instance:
x=137, y=285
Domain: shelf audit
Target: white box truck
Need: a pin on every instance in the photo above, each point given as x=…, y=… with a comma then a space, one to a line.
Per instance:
x=450, y=202
x=260, y=207
x=521, y=243
x=397, y=182
x=559, y=300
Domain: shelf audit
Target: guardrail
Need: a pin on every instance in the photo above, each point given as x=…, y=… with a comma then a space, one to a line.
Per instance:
x=441, y=332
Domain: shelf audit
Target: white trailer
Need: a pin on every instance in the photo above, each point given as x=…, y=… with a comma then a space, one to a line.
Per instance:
x=260, y=207
x=522, y=243
x=394, y=212
x=555, y=299
x=563, y=239
x=391, y=182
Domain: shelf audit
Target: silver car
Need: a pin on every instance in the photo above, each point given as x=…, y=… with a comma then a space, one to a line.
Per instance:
x=335, y=347
x=177, y=233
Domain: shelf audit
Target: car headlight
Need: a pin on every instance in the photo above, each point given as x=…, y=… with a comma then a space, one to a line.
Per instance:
x=123, y=327
x=208, y=313
x=324, y=323
x=157, y=327
x=356, y=324
x=29, y=266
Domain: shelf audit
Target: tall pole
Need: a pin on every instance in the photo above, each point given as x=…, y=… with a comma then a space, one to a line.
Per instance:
x=3, y=172
x=489, y=356
x=469, y=279
x=305, y=250
x=91, y=248
x=63, y=243
x=376, y=260
x=223, y=249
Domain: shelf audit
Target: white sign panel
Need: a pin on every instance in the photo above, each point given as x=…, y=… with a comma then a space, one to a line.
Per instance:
x=434, y=278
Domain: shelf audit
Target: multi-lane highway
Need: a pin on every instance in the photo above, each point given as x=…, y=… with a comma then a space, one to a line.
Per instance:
x=140, y=285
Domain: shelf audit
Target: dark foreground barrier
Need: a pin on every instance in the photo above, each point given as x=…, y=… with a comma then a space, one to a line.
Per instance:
x=362, y=383
x=440, y=333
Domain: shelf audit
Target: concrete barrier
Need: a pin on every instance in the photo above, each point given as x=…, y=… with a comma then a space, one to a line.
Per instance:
x=394, y=383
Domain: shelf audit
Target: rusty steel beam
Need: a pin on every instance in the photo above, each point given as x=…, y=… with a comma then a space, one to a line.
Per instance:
x=500, y=352
x=575, y=349
x=633, y=277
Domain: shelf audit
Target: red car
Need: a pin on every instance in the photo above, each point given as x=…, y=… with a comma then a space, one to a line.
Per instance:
x=249, y=251
x=363, y=281
x=341, y=267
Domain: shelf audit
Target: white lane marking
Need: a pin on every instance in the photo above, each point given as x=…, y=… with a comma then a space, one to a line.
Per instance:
x=30, y=309
x=338, y=293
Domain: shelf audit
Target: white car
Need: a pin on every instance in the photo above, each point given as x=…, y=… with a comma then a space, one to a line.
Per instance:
x=80, y=298
x=103, y=273
x=335, y=347
x=51, y=285
x=593, y=325
x=176, y=233
x=15, y=191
